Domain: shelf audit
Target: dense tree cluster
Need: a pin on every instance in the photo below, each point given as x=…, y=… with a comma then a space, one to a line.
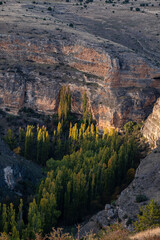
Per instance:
x=84, y=170
x=41, y=217
x=89, y=175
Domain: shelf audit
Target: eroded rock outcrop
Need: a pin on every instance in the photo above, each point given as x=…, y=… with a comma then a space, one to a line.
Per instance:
x=151, y=128
x=40, y=50
x=119, y=88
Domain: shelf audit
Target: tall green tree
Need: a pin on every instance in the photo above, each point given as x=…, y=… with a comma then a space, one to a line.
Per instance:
x=29, y=142
x=85, y=108
x=64, y=107
x=43, y=145
x=10, y=139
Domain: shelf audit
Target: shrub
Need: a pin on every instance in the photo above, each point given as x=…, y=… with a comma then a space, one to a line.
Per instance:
x=149, y=216
x=128, y=127
x=71, y=25
x=17, y=150
x=129, y=221
x=141, y=198
x=115, y=232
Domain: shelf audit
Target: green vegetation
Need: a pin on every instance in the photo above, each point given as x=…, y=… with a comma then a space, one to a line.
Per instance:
x=149, y=217
x=141, y=198
x=10, y=139
x=84, y=169
x=64, y=108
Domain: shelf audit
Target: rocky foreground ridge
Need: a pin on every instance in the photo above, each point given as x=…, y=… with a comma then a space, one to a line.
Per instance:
x=39, y=55
x=145, y=186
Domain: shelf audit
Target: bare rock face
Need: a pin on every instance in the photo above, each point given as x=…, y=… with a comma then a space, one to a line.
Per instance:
x=151, y=129
x=119, y=88
x=40, y=52
x=146, y=184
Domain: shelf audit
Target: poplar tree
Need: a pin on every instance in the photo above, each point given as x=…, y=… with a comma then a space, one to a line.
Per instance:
x=34, y=220
x=97, y=133
x=43, y=145
x=85, y=108
x=64, y=107
x=4, y=219
x=20, y=222
x=10, y=139
x=29, y=142
x=21, y=135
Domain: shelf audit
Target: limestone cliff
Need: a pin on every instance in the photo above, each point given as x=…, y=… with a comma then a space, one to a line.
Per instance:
x=40, y=51
x=151, y=128
x=119, y=88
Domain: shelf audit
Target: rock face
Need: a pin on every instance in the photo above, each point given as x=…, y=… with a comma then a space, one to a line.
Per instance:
x=151, y=129
x=144, y=186
x=38, y=57
x=18, y=176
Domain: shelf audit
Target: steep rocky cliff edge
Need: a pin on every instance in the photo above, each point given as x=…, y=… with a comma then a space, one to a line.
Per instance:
x=47, y=44
x=151, y=128
x=109, y=51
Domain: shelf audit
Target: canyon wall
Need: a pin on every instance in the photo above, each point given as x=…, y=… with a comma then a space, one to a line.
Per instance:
x=151, y=128
x=120, y=87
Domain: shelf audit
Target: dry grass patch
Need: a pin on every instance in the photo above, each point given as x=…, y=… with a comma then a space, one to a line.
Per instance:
x=114, y=232
x=151, y=234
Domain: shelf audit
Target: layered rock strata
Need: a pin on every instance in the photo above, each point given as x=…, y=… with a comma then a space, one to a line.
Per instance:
x=119, y=88
x=151, y=128
x=41, y=49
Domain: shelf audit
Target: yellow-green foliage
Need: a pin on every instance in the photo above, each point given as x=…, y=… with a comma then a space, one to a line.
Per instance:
x=64, y=108
x=42, y=145
x=10, y=139
x=29, y=142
